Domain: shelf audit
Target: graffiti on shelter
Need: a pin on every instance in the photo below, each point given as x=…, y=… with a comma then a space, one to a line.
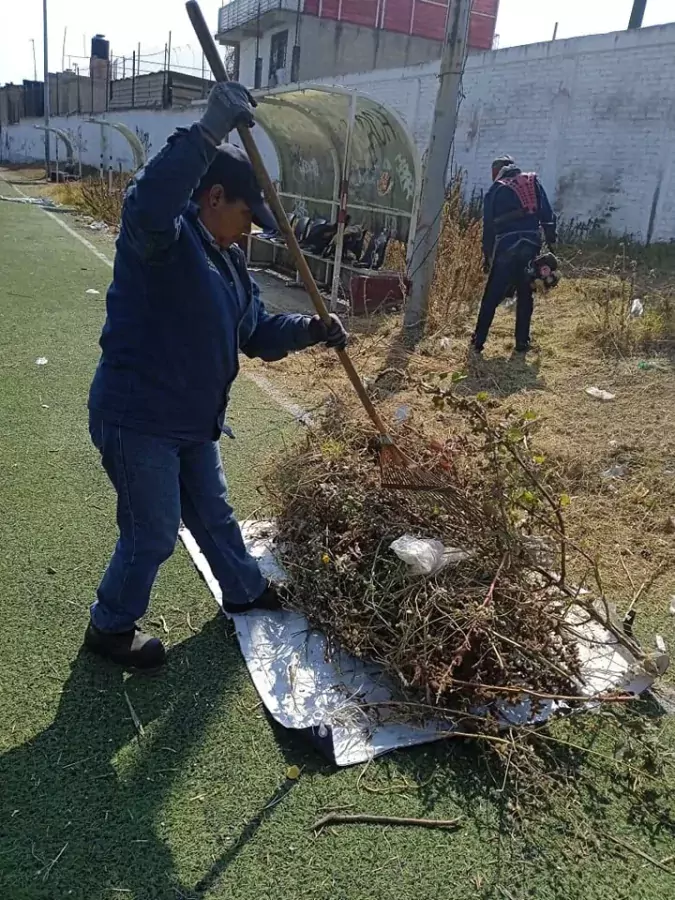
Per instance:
x=405, y=176
x=308, y=168
x=300, y=209
x=385, y=180
x=377, y=128
x=144, y=138
x=77, y=139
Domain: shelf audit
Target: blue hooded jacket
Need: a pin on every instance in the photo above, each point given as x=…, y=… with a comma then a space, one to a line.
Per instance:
x=504, y=227
x=175, y=321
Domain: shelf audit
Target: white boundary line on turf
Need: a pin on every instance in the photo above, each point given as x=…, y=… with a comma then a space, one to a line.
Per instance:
x=261, y=381
x=97, y=253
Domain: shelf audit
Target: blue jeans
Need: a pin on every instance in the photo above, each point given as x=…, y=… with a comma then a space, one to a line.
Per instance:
x=508, y=273
x=158, y=481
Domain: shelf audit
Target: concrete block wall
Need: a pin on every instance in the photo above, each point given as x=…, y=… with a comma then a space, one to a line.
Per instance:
x=595, y=116
x=98, y=145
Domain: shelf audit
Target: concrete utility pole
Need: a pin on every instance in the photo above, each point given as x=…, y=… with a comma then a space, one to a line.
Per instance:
x=46, y=85
x=422, y=257
x=32, y=40
x=638, y=14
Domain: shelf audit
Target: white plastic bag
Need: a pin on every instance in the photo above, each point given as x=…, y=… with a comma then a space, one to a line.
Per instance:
x=599, y=394
x=637, y=309
x=426, y=556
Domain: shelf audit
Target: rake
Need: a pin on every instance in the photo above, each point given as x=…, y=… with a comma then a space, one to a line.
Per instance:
x=397, y=471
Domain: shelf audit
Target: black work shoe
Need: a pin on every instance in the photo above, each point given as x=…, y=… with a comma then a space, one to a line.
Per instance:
x=269, y=600
x=133, y=649
x=523, y=348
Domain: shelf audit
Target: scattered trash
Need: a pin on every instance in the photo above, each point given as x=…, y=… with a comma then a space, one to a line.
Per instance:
x=599, y=394
x=653, y=365
x=44, y=406
x=97, y=226
x=426, y=556
x=637, y=309
x=402, y=413
x=509, y=303
x=445, y=344
x=613, y=445
x=423, y=555
x=93, y=292
x=671, y=608
x=44, y=202
x=51, y=570
x=41, y=361
x=660, y=644
x=293, y=773
x=615, y=471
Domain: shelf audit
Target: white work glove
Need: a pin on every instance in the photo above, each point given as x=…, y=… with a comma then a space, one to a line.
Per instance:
x=228, y=106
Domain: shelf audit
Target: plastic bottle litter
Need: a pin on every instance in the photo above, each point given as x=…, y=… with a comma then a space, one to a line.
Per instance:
x=652, y=365
x=599, y=394
x=660, y=644
x=637, y=309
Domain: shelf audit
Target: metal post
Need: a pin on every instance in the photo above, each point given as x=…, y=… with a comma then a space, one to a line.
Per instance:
x=637, y=14
x=555, y=31
x=46, y=85
x=32, y=40
x=422, y=258
x=133, y=80
x=342, y=214
x=138, y=58
x=257, y=74
x=56, y=158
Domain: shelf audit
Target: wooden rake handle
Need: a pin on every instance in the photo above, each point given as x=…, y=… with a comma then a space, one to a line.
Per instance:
x=208, y=45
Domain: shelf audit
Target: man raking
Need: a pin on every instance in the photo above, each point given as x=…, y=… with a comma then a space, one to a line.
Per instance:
x=181, y=307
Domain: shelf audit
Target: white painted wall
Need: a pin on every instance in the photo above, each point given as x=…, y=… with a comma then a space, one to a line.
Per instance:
x=595, y=116
x=96, y=143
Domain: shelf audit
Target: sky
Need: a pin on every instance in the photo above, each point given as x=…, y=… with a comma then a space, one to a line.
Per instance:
x=127, y=22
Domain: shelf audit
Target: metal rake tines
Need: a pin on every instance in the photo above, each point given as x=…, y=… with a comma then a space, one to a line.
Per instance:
x=403, y=478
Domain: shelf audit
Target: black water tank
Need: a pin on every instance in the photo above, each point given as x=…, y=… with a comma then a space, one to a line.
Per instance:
x=100, y=48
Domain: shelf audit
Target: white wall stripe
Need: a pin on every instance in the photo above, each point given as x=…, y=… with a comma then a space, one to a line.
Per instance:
x=261, y=381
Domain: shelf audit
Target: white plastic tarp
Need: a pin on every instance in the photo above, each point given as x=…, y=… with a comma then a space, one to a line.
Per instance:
x=340, y=701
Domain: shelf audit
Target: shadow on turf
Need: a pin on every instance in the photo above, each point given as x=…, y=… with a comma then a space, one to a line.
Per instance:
x=503, y=376
x=68, y=789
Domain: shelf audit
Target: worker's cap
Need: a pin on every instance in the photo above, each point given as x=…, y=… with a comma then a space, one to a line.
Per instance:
x=501, y=161
x=232, y=169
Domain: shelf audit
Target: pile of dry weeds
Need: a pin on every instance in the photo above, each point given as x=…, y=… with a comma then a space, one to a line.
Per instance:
x=492, y=626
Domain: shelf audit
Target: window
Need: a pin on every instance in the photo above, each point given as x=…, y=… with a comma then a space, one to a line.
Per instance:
x=278, y=48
